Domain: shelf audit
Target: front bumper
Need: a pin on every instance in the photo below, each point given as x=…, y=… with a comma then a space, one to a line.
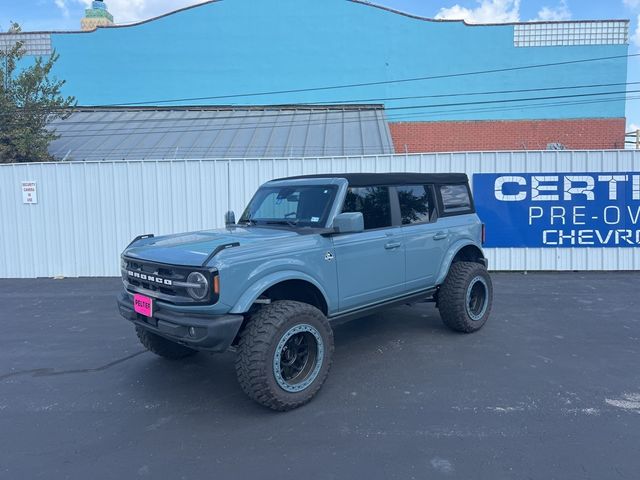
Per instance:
x=214, y=333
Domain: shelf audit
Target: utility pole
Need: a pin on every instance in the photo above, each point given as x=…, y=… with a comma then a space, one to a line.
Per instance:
x=638, y=139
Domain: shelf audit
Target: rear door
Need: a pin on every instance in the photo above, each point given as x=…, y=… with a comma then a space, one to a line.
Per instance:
x=457, y=212
x=425, y=241
x=371, y=264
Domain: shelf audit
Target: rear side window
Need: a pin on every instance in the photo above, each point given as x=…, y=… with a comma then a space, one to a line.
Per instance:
x=455, y=199
x=415, y=203
x=372, y=202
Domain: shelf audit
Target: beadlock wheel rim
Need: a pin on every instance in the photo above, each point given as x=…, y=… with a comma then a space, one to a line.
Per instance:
x=298, y=358
x=476, y=298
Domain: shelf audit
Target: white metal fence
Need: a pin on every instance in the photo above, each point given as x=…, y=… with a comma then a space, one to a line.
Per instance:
x=87, y=212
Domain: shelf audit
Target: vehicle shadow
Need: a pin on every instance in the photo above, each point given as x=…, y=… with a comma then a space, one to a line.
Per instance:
x=206, y=383
x=403, y=321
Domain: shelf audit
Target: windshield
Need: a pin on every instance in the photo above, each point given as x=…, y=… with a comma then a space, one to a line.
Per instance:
x=304, y=206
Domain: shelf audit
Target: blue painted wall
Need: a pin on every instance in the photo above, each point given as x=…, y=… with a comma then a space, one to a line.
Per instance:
x=239, y=46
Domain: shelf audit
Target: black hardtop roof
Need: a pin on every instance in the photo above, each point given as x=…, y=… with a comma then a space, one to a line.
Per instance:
x=404, y=178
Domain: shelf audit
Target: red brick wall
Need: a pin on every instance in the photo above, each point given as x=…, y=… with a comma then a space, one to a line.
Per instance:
x=579, y=134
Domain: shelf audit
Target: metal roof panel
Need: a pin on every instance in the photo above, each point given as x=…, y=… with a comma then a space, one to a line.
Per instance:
x=220, y=132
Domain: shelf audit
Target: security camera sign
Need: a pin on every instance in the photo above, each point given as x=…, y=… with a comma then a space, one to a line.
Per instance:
x=559, y=209
x=29, y=192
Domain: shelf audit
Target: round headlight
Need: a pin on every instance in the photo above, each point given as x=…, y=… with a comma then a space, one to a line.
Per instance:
x=123, y=269
x=200, y=292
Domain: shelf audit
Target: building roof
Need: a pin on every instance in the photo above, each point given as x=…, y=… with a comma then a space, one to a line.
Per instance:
x=152, y=133
x=373, y=179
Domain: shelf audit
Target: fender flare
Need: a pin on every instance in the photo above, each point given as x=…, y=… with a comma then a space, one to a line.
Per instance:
x=451, y=253
x=256, y=289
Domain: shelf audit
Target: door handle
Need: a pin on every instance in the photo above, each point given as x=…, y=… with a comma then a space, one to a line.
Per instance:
x=440, y=236
x=392, y=245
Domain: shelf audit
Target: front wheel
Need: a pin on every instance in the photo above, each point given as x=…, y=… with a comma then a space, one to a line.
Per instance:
x=465, y=297
x=284, y=354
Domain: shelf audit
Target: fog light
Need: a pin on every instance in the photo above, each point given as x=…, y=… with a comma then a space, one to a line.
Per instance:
x=192, y=332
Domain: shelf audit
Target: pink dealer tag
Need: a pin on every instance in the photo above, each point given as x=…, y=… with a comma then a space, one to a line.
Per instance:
x=143, y=305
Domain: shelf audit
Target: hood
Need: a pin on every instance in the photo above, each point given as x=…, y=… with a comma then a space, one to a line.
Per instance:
x=193, y=248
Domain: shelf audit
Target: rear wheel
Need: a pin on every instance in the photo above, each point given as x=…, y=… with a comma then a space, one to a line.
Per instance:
x=163, y=347
x=465, y=297
x=284, y=354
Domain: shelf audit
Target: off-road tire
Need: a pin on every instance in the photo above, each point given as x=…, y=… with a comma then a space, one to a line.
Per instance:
x=453, y=301
x=257, y=348
x=163, y=347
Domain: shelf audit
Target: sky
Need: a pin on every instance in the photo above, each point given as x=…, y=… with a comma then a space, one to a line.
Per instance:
x=35, y=15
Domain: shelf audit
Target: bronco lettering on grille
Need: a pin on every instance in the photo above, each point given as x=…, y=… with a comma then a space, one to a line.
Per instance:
x=150, y=278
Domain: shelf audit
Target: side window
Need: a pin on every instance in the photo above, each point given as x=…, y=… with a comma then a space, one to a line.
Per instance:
x=372, y=202
x=415, y=203
x=455, y=198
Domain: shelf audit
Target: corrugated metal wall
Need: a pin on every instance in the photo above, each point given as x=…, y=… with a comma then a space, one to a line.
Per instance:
x=87, y=212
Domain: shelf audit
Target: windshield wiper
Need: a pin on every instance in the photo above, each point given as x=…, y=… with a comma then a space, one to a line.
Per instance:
x=282, y=222
x=249, y=221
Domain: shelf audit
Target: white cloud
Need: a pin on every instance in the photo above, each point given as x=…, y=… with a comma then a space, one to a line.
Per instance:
x=62, y=5
x=557, y=14
x=488, y=11
x=635, y=36
x=633, y=127
x=503, y=11
x=126, y=11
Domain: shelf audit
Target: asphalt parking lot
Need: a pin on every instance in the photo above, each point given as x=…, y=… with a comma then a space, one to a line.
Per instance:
x=550, y=388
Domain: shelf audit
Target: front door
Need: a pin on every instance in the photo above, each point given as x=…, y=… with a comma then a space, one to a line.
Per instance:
x=371, y=264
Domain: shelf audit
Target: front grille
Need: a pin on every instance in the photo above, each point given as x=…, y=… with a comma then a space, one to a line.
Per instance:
x=160, y=281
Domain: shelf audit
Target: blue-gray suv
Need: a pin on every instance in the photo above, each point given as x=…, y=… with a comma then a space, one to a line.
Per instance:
x=306, y=252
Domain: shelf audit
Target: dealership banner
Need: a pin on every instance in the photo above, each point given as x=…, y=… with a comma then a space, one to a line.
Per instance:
x=600, y=209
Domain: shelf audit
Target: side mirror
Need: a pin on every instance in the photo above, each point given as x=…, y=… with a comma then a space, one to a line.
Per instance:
x=348, y=222
x=230, y=218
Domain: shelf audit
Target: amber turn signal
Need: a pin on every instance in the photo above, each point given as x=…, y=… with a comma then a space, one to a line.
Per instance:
x=216, y=285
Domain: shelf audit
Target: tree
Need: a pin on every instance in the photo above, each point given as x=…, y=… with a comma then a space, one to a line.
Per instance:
x=29, y=99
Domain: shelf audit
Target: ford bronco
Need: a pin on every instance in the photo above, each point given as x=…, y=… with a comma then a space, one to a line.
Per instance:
x=308, y=251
